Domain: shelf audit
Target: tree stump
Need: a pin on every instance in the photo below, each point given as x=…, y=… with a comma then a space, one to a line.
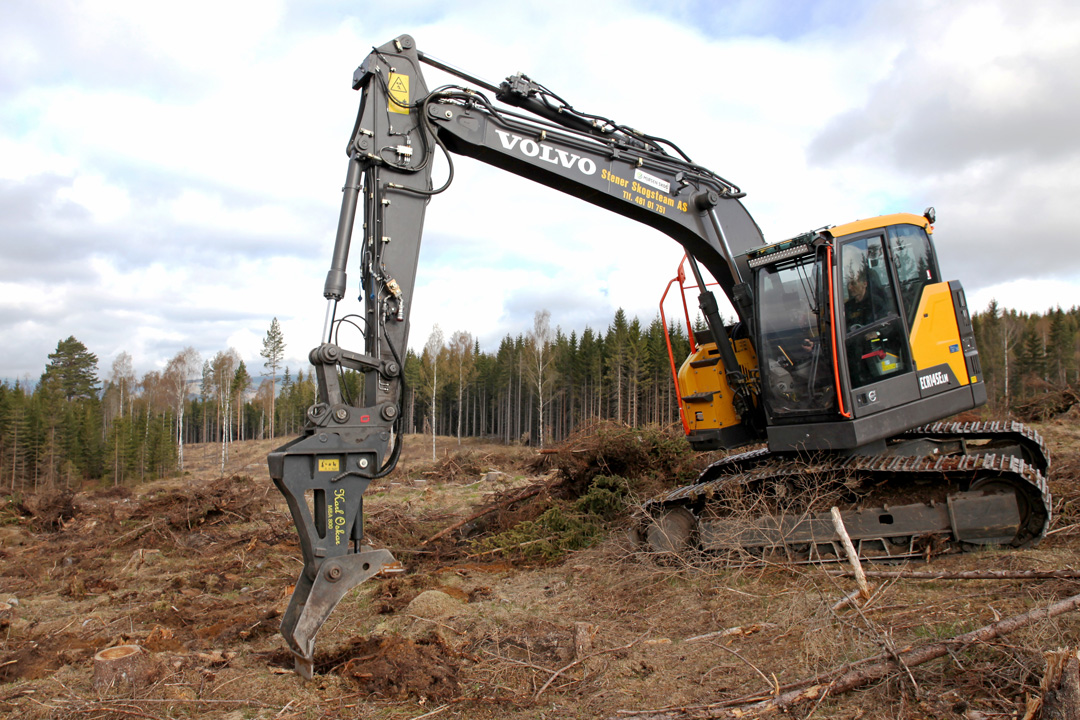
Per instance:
x=6, y=614
x=1061, y=685
x=583, y=638
x=123, y=667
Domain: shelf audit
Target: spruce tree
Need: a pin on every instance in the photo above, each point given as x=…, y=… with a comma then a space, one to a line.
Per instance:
x=274, y=351
x=75, y=369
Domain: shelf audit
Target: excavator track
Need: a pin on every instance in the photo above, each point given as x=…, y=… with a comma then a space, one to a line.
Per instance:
x=946, y=487
x=1004, y=434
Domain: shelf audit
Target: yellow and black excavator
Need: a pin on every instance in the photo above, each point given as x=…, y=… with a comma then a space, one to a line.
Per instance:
x=846, y=351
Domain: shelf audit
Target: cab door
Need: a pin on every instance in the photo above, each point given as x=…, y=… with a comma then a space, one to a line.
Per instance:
x=877, y=353
x=939, y=328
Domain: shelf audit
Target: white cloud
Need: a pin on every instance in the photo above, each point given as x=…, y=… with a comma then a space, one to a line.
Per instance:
x=1029, y=295
x=201, y=209
x=181, y=176
x=203, y=36
x=247, y=343
x=22, y=160
x=106, y=202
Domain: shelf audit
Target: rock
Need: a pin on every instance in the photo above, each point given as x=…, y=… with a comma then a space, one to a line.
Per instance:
x=433, y=604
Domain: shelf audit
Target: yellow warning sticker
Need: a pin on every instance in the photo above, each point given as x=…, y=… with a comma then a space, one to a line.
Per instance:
x=329, y=465
x=399, y=93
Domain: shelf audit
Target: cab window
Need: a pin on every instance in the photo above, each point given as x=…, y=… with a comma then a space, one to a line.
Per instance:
x=867, y=293
x=794, y=348
x=876, y=342
x=914, y=263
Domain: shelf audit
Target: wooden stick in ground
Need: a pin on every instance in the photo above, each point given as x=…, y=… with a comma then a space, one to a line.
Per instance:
x=963, y=574
x=860, y=673
x=856, y=566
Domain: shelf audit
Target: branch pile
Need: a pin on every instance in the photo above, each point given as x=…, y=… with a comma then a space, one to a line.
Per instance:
x=653, y=459
x=1049, y=403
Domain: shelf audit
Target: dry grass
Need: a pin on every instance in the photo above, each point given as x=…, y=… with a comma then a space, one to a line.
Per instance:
x=196, y=569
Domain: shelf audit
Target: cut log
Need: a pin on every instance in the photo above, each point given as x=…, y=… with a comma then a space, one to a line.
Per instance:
x=1061, y=685
x=122, y=668
x=962, y=574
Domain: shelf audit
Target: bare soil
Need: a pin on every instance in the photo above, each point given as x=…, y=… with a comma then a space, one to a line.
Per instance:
x=197, y=569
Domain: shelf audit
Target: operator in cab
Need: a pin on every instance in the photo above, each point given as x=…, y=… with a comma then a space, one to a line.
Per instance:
x=863, y=305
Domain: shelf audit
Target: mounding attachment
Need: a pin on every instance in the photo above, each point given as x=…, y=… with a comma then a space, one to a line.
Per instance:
x=323, y=479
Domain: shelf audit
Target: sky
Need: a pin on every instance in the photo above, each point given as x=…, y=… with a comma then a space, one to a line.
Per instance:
x=170, y=173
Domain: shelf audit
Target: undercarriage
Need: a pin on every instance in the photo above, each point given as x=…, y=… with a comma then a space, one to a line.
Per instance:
x=946, y=487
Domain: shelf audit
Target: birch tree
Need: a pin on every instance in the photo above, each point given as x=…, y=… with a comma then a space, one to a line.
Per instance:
x=225, y=363
x=179, y=377
x=123, y=377
x=540, y=369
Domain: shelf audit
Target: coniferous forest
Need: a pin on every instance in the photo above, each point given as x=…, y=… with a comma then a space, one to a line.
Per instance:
x=80, y=422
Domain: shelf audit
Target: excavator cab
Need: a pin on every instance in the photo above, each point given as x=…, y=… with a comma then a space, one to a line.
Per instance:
x=855, y=337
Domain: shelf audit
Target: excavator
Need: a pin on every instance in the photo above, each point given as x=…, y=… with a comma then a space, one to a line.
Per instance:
x=846, y=353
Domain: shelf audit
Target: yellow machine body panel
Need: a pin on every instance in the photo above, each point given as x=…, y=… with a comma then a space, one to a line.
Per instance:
x=707, y=398
x=935, y=335
x=880, y=222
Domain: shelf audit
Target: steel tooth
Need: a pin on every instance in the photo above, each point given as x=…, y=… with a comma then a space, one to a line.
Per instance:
x=303, y=666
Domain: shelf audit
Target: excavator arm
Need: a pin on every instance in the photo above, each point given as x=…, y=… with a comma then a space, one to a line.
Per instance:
x=529, y=131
